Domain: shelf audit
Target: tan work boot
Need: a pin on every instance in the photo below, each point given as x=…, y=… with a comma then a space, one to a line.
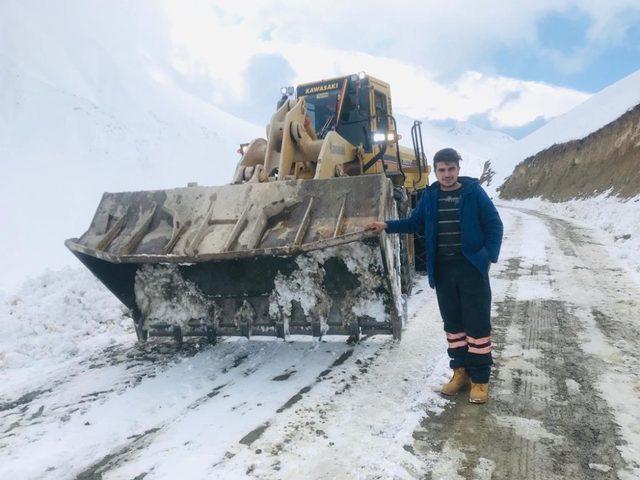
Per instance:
x=479, y=393
x=459, y=381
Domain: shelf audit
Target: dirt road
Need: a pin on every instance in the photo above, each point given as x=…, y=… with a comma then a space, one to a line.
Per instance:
x=566, y=389
x=564, y=397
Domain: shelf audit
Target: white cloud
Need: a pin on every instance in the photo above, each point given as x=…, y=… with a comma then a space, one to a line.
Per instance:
x=509, y=102
x=609, y=23
x=512, y=102
x=445, y=37
x=221, y=40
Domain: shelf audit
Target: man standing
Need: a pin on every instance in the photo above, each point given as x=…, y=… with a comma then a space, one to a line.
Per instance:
x=463, y=234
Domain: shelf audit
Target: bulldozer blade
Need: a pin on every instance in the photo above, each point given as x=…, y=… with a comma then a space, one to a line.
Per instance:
x=276, y=258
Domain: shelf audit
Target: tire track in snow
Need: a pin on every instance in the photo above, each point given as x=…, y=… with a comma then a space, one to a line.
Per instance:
x=355, y=423
x=140, y=362
x=605, y=301
x=255, y=434
x=263, y=363
x=140, y=441
x=28, y=439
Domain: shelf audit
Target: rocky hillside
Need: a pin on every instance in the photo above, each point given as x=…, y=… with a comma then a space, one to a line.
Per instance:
x=607, y=159
x=599, y=110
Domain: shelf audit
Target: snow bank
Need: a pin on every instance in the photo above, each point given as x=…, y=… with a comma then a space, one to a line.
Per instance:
x=56, y=316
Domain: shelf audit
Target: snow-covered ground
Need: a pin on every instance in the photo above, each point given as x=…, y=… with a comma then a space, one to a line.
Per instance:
x=101, y=392
x=79, y=399
x=56, y=317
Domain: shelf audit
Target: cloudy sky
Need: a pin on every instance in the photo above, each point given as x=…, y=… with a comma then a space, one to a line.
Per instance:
x=503, y=65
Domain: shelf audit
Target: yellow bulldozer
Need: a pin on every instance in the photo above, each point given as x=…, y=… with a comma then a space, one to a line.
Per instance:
x=283, y=249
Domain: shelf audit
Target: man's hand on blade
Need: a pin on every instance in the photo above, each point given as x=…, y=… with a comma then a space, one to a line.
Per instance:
x=376, y=226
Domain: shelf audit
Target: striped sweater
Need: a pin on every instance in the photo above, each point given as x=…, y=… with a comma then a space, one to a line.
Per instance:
x=449, y=234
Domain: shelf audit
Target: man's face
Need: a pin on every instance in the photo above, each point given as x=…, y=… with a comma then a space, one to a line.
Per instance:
x=447, y=173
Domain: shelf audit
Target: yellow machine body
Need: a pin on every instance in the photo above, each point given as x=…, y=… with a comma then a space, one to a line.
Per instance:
x=283, y=248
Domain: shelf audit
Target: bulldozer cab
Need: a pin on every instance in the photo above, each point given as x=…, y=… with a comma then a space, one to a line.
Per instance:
x=358, y=108
x=348, y=105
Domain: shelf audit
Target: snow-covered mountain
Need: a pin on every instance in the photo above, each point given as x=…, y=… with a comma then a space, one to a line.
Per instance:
x=475, y=145
x=83, y=111
x=600, y=109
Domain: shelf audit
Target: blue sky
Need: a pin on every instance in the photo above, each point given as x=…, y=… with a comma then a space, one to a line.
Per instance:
x=567, y=32
x=509, y=66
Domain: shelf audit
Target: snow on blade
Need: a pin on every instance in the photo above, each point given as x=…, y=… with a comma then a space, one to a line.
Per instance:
x=165, y=297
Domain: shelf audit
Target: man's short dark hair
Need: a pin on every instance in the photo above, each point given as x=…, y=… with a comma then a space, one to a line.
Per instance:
x=446, y=155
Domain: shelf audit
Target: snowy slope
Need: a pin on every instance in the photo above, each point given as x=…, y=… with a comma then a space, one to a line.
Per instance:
x=475, y=145
x=88, y=105
x=597, y=111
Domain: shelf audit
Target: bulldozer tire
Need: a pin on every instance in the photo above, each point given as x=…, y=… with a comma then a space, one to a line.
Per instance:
x=316, y=329
x=245, y=331
x=406, y=269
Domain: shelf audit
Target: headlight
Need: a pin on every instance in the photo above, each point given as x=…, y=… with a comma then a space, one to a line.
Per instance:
x=361, y=75
x=379, y=137
x=391, y=137
x=283, y=90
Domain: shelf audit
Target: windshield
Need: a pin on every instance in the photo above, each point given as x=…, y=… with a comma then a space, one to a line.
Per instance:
x=323, y=99
x=321, y=108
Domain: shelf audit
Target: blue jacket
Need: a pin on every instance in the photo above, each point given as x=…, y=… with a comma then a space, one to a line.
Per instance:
x=479, y=222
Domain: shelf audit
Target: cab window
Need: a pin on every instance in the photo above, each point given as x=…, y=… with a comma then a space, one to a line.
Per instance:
x=381, y=112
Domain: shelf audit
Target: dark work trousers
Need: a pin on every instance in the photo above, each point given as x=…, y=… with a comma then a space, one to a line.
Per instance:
x=464, y=298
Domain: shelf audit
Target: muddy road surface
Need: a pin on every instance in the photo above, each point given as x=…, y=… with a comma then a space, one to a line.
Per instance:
x=564, y=396
x=565, y=391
